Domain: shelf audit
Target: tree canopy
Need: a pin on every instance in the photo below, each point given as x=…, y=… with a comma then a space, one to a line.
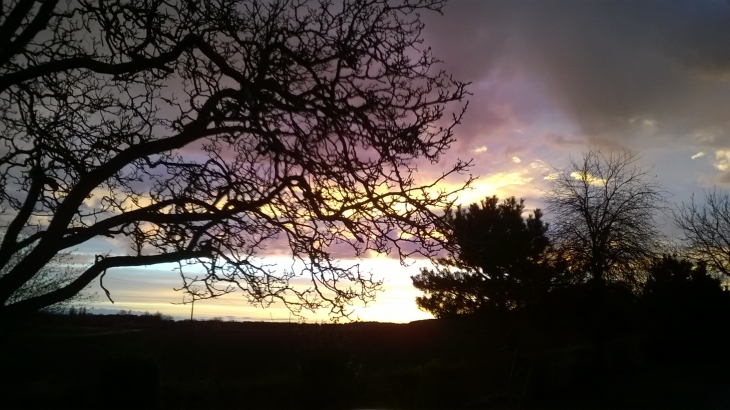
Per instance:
x=672, y=278
x=604, y=208
x=706, y=230
x=211, y=131
x=499, y=260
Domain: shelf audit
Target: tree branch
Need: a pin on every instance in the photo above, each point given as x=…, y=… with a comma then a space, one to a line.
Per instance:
x=59, y=295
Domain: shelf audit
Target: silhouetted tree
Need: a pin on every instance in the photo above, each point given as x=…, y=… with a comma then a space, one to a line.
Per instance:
x=683, y=302
x=603, y=209
x=671, y=276
x=499, y=260
x=208, y=131
x=706, y=230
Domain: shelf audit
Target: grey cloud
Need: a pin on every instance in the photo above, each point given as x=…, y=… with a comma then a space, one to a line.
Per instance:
x=468, y=39
x=723, y=178
x=561, y=141
x=613, y=66
x=514, y=149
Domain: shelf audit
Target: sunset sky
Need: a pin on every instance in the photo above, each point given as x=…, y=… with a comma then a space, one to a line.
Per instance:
x=547, y=78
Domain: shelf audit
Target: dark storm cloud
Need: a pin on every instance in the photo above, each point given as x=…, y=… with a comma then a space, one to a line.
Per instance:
x=629, y=70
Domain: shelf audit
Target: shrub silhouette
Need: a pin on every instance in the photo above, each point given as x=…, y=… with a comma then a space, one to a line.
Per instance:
x=684, y=304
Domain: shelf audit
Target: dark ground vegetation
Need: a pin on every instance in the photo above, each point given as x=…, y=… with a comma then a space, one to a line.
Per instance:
x=652, y=353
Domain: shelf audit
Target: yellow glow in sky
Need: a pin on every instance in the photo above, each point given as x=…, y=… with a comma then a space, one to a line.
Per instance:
x=151, y=289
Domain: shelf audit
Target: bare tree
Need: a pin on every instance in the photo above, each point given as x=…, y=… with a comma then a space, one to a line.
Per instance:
x=603, y=209
x=207, y=132
x=706, y=230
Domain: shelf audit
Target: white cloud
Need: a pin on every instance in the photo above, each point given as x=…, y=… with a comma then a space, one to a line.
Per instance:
x=722, y=160
x=538, y=164
x=697, y=155
x=578, y=176
x=516, y=160
x=502, y=184
x=479, y=150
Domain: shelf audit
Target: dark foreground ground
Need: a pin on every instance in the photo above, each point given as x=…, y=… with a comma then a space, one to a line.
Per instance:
x=102, y=362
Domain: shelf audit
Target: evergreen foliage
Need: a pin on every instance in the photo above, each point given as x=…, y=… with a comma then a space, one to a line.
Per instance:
x=500, y=260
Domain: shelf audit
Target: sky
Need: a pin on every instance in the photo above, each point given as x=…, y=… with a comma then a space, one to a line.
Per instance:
x=548, y=78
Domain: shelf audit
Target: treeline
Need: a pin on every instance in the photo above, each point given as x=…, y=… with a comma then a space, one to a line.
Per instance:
x=600, y=269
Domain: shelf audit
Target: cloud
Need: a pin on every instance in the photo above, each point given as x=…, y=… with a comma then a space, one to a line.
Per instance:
x=635, y=73
x=561, y=141
x=516, y=160
x=590, y=179
x=514, y=149
x=479, y=150
x=722, y=160
x=723, y=178
x=697, y=155
x=511, y=182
